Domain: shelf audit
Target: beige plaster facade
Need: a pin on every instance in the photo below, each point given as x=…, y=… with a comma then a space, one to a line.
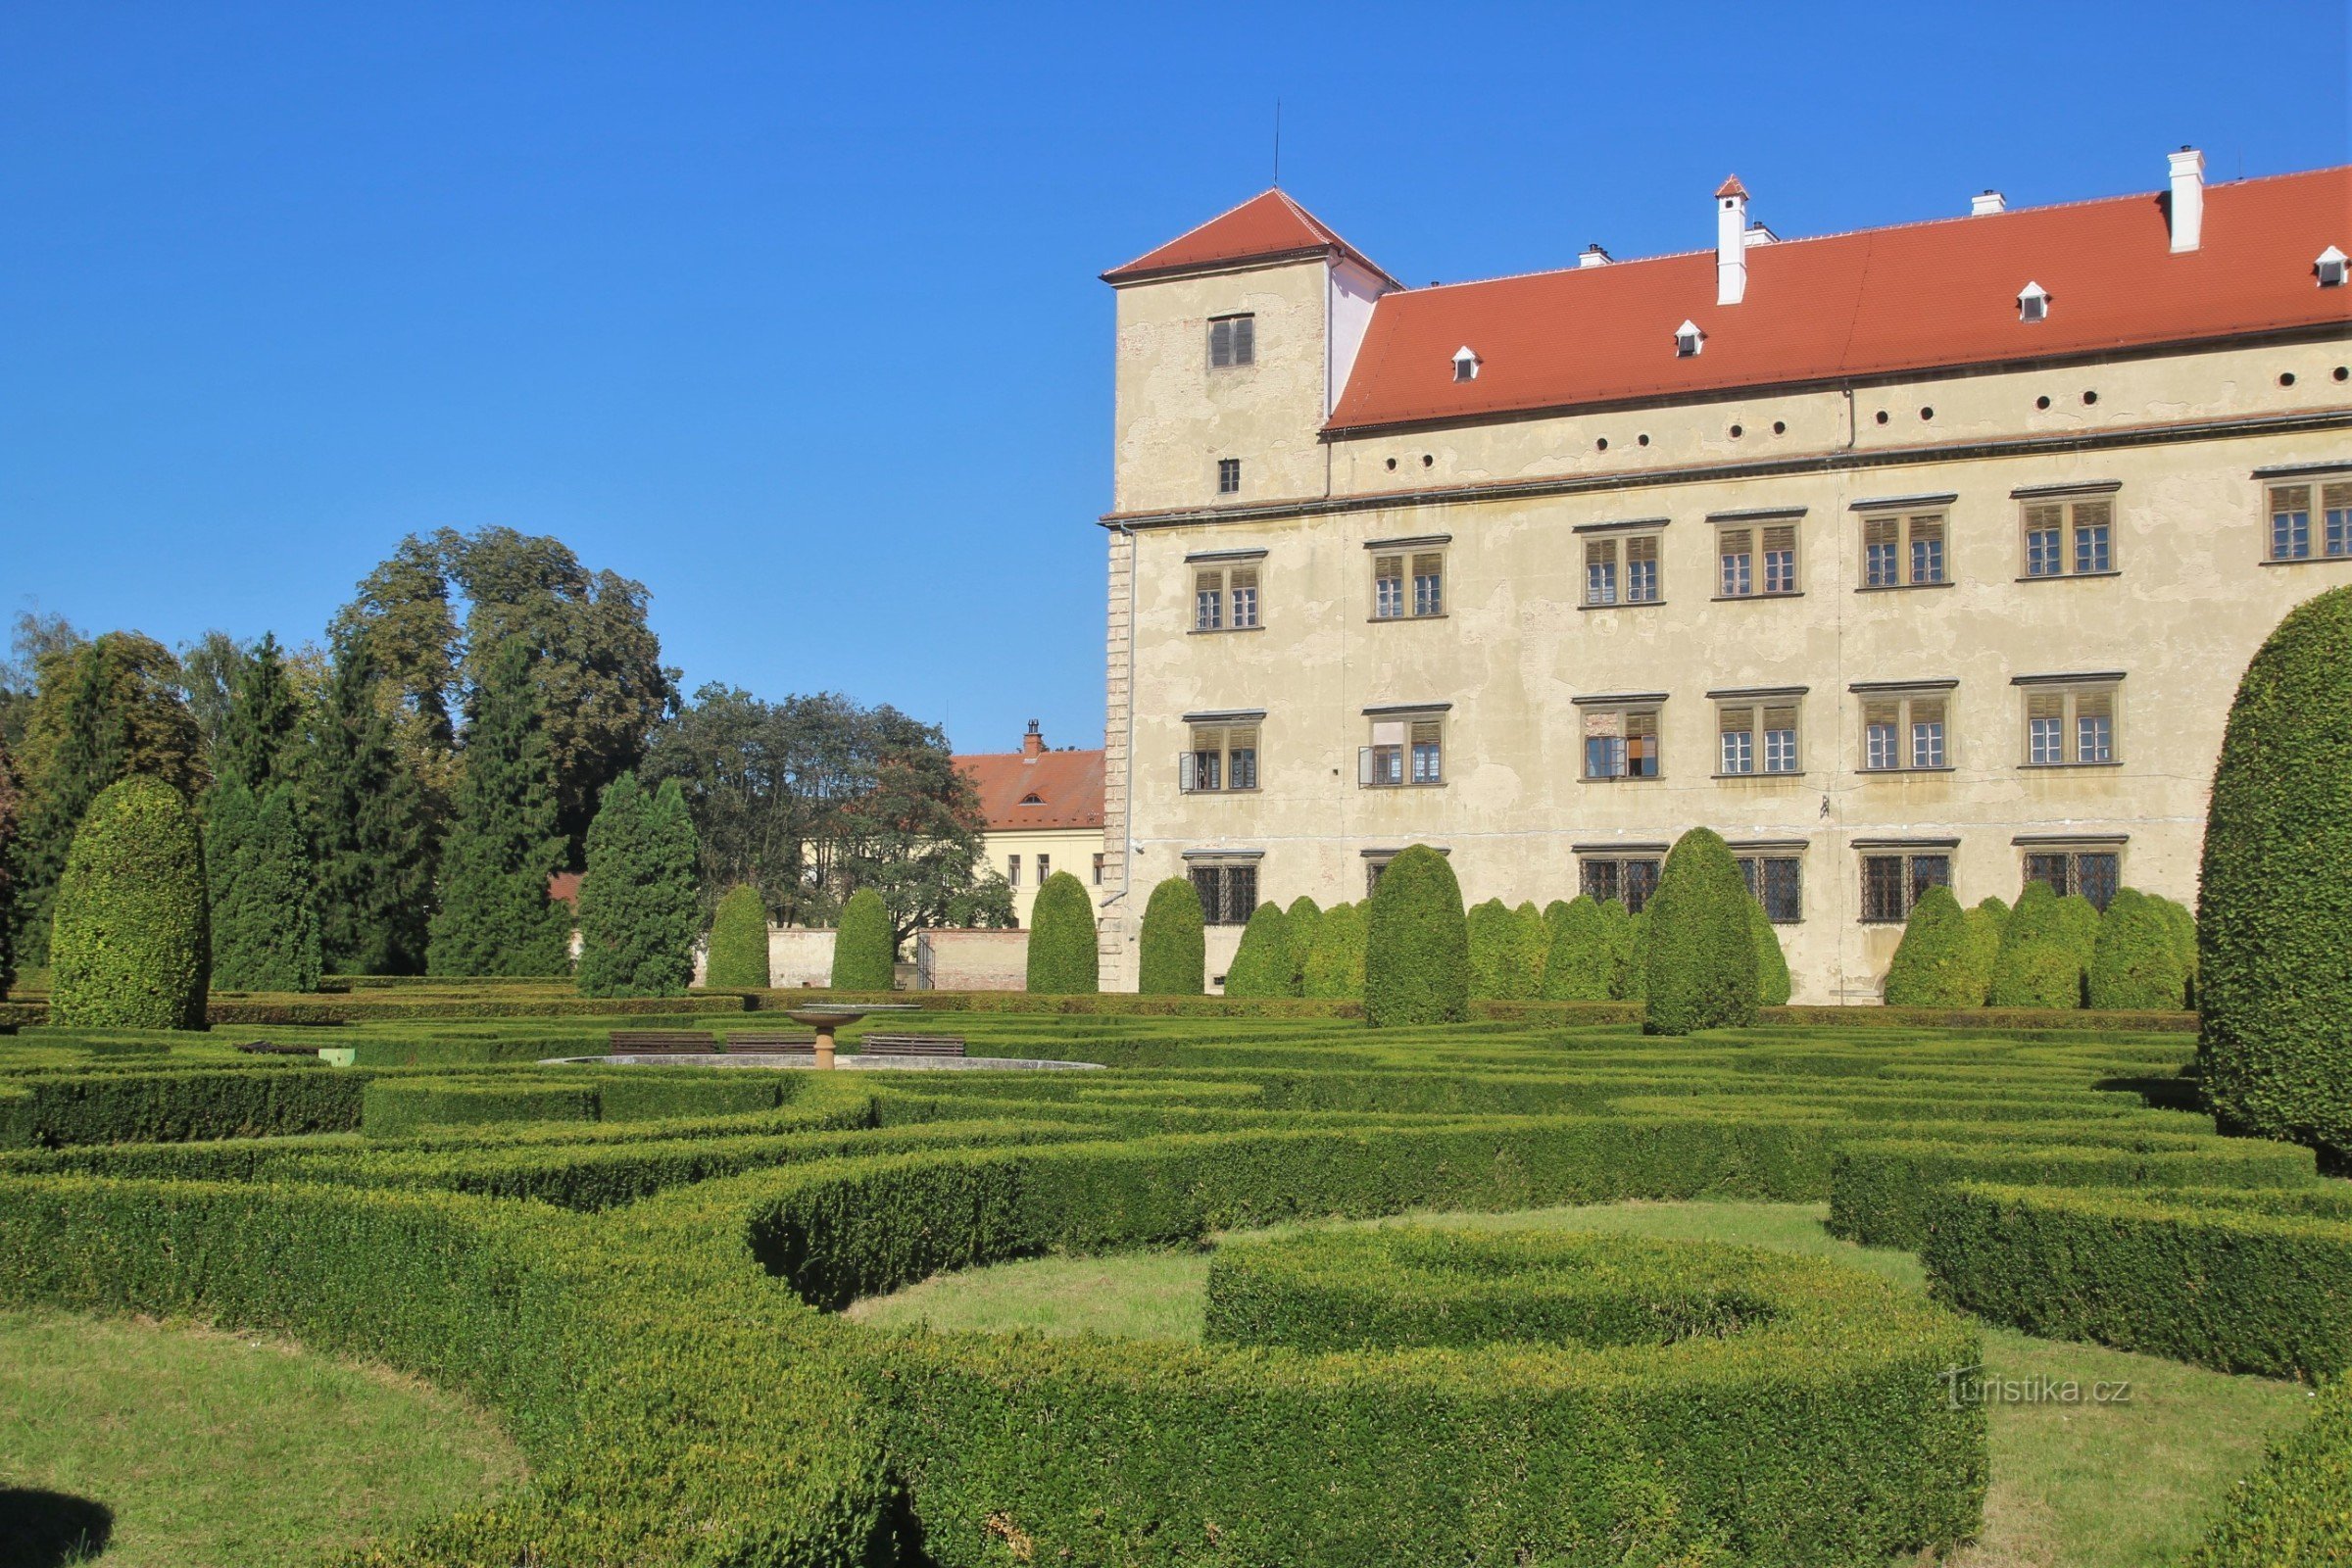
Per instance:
x=2181, y=442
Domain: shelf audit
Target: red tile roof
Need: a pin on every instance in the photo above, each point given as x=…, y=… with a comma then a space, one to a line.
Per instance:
x=1068, y=786
x=1261, y=228
x=1876, y=302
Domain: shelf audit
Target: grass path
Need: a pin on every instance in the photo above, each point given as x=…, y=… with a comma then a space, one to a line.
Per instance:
x=2116, y=1485
x=218, y=1450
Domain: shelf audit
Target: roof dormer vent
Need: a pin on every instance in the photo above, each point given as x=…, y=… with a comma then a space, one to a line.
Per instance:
x=1466, y=364
x=2032, y=303
x=1759, y=233
x=1986, y=203
x=1687, y=339
x=1595, y=256
x=2330, y=268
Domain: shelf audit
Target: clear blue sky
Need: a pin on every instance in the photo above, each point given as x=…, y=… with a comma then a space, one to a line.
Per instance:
x=791, y=312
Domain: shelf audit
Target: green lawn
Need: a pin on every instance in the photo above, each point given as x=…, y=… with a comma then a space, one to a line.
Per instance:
x=218, y=1450
x=2082, y=1486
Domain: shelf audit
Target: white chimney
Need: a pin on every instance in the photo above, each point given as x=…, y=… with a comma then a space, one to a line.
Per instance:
x=2189, y=199
x=1730, y=242
x=1987, y=204
x=1595, y=256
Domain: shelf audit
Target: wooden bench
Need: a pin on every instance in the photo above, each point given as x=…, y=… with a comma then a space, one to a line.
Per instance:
x=771, y=1043
x=912, y=1045
x=660, y=1042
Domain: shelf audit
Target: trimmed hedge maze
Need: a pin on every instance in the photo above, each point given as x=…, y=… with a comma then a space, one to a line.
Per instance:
x=640, y=1271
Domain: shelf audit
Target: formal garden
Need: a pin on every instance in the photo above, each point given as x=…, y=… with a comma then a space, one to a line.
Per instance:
x=1478, y=1235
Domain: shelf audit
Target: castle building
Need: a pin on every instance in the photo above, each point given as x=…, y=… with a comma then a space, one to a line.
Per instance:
x=1044, y=814
x=1928, y=554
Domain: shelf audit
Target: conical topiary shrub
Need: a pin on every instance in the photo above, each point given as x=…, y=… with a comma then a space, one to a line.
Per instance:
x=1701, y=959
x=1304, y=916
x=1062, y=958
x=1986, y=921
x=1584, y=952
x=2137, y=964
x=1773, y=986
x=1531, y=945
x=865, y=949
x=1629, y=946
x=1936, y=964
x=2079, y=929
x=130, y=944
x=1491, y=934
x=739, y=941
x=1261, y=964
x=2037, y=965
x=1174, y=959
x=1335, y=964
x=2274, y=900
x=1417, y=944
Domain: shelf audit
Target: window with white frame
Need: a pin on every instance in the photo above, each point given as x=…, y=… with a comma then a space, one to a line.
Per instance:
x=1756, y=735
x=1228, y=890
x=2069, y=724
x=2295, y=508
x=1621, y=740
x=1630, y=878
x=1409, y=584
x=2069, y=537
x=1099, y=859
x=1895, y=879
x=1756, y=563
x=1407, y=749
x=1904, y=551
x=1225, y=598
x=2094, y=873
x=1622, y=570
x=1045, y=868
x=1013, y=870
x=1232, y=341
x=1776, y=882
x=1221, y=758
x=1905, y=731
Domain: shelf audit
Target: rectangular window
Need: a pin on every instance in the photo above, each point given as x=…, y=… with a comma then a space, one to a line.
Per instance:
x=1902, y=552
x=1099, y=859
x=1390, y=580
x=1229, y=476
x=2070, y=726
x=1630, y=881
x=1776, y=882
x=1013, y=870
x=1620, y=743
x=2070, y=537
x=1635, y=582
x=2292, y=507
x=1208, y=601
x=1892, y=883
x=1232, y=341
x=1429, y=585
x=1641, y=570
x=1228, y=893
x=1404, y=751
x=1600, y=571
x=1045, y=868
x=1221, y=759
x=1756, y=561
x=1224, y=597
x=1755, y=738
x=2096, y=874
x=1905, y=732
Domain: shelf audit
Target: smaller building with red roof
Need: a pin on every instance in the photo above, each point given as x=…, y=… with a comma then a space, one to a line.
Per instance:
x=1043, y=809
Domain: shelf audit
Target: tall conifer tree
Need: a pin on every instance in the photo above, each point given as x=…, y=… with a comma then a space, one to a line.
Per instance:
x=638, y=916
x=11, y=802
x=93, y=751
x=262, y=880
x=373, y=830
x=495, y=917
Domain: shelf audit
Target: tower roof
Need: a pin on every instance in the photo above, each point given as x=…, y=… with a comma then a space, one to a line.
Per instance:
x=1269, y=227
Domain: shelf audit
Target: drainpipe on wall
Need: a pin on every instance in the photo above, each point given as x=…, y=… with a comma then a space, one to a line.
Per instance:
x=1127, y=810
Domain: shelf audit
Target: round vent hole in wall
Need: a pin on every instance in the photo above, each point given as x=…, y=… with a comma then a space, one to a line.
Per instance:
x=2042, y=403
x=1736, y=432
x=1927, y=414
x=2287, y=378
x=2089, y=398
x=1642, y=439
x=1780, y=428
x=1601, y=445
x=1881, y=416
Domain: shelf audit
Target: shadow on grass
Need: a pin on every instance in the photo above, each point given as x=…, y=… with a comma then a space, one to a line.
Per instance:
x=51, y=1529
